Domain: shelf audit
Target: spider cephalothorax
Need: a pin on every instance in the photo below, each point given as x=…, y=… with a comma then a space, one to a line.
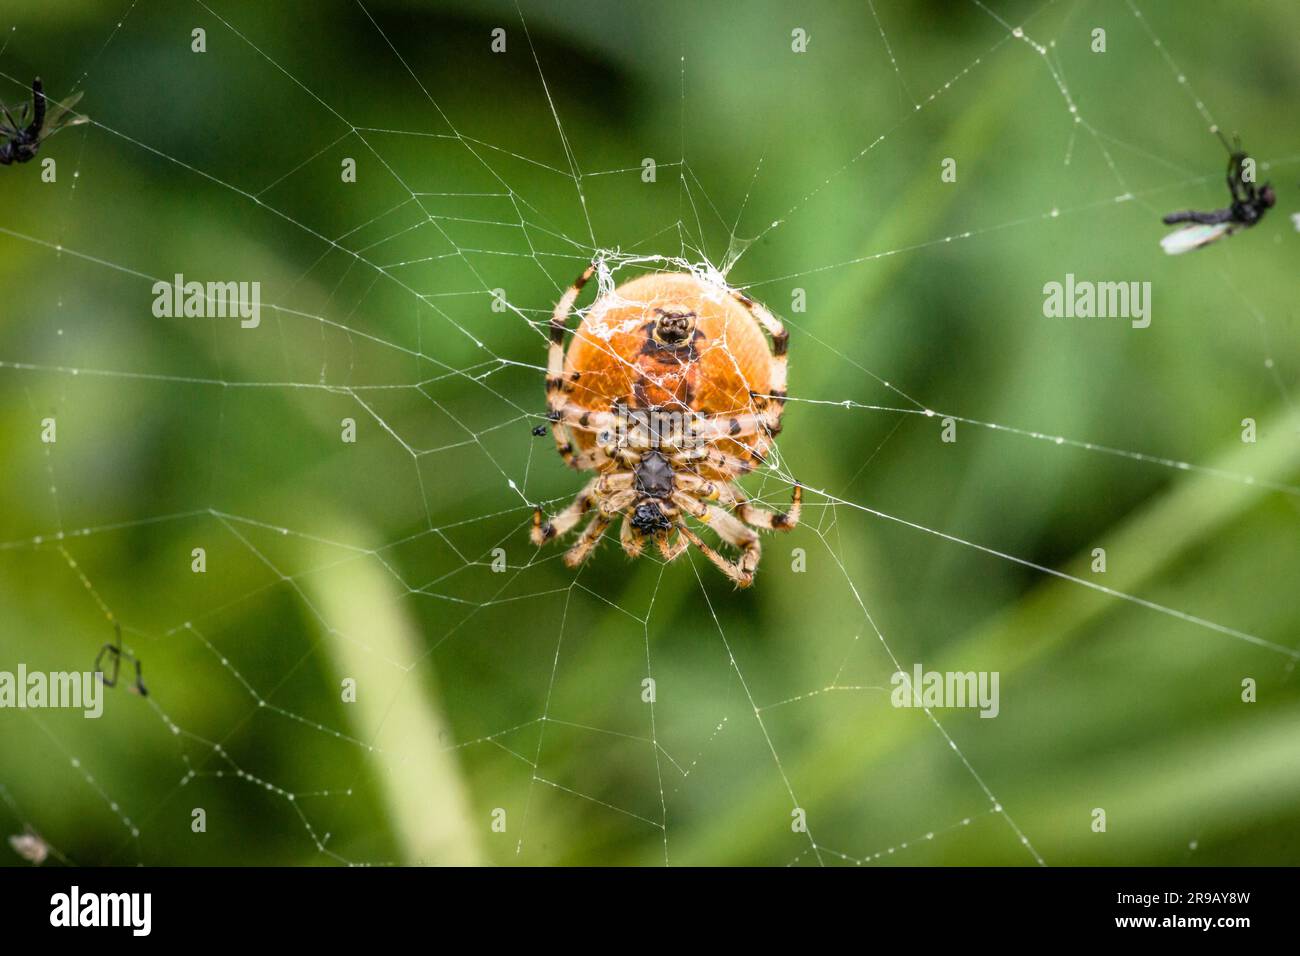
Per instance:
x=669, y=392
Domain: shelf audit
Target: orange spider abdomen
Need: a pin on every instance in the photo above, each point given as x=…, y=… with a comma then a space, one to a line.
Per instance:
x=615, y=357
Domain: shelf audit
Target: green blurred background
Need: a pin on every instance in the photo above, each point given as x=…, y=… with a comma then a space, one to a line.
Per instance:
x=521, y=690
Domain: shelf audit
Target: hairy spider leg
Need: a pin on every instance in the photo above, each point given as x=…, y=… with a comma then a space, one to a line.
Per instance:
x=780, y=346
x=736, y=570
x=556, y=387
x=734, y=498
x=588, y=540
x=618, y=502
x=631, y=543
x=729, y=529
x=764, y=518
x=671, y=550
x=708, y=455
x=544, y=531
x=613, y=481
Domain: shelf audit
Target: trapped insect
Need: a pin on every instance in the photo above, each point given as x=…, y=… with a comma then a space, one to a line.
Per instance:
x=115, y=651
x=21, y=135
x=30, y=847
x=1246, y=209
x=670, y=392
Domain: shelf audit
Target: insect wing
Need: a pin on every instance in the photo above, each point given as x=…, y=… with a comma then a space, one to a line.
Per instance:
x=1194, y=237
x=10, y=125
x=60, y=115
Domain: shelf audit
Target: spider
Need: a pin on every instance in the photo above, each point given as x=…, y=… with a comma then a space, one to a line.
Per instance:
x=115, y=651
x=21, y=136
x=1246, y=209
x=669, y=392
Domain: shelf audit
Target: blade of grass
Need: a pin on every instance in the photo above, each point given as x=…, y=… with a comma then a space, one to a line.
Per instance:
x=419, y=778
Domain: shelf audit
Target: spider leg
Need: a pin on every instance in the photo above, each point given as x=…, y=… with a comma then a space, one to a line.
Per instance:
x=740, y=571
x=588, y=540
x=763, y=423
x=699, y=487
x=614, y=481
x=544, y=531
x=573, y=457
x=575, y=416
x=734, y=498
x=773, y=520
x=632, y=544
x=774, y=401
x=710, y=456
x=616, y=503
x=555, y=356
x=780, y=343
x=556, y=387
x=731, y=530
x=763, y=517
x=670, y=551
x=623, y=456
x=692, y=506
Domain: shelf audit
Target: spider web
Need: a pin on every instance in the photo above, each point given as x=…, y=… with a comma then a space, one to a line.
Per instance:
x=414, y=302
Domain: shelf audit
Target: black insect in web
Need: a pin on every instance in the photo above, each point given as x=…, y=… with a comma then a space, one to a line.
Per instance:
x=116, y=654
x=22, y=131
x=1246, y=208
